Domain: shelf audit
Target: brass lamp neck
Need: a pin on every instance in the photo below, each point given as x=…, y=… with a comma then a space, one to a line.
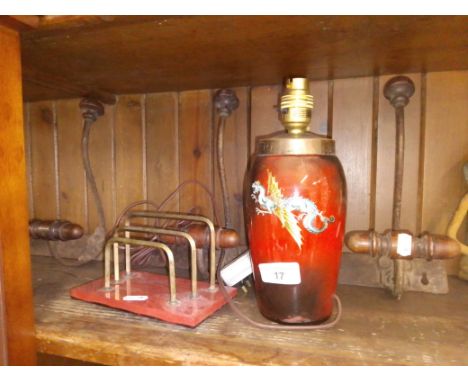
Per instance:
x=296, y=105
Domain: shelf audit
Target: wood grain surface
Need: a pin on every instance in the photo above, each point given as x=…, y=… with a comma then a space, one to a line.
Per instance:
x=14, y=238
x=162, y=147
x=102, y=159
x=169, y=138
x=319, y=122
x=264, y=118
x=43, y=160
x=71, y=175
x=375, y=329
x=128, y=150
x=446, y=151
x=352, y=131
x=3, y=322
x=174, y=53
x=196, y=150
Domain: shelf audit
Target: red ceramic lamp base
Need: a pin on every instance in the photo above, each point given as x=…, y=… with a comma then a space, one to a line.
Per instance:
x=147, y=294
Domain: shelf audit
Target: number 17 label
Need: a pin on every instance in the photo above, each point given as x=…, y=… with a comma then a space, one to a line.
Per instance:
x=280, y=273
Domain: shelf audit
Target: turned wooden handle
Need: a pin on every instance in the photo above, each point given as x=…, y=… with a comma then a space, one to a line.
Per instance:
x=428, y=246
x=62, y=230
x=225, y=238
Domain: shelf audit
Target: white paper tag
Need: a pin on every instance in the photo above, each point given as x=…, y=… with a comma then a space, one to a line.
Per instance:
x=135, y=298
x=280, y=273
x=404, y=242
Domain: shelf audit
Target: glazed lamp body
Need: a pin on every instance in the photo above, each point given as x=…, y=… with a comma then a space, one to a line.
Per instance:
x=295, y=207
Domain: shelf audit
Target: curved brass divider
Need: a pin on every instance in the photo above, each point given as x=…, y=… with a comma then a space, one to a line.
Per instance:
x=177, y=216
x=193, y=248
x=116, y=240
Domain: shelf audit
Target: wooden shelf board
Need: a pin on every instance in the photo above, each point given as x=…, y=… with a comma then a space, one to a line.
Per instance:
x=155, y=54
x=421, y=329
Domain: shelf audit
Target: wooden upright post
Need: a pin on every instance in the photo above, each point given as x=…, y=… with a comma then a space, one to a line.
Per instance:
x=15, y=270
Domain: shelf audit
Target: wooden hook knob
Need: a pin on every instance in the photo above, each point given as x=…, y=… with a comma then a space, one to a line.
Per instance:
x=398, y=90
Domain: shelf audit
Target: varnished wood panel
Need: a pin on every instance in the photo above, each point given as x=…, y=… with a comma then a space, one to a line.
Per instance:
x=264, y=112
x=195, y=149
x=128, y=151
x=198, y=52
x=101, y=157
x=28, y=157
x=386, y=133
x=319, y=123
x=72, y=181
x=148, y=144
x=43, y=166
x=375, y=329
x=446, y=150
x=3, y=321
x=352, y=131
x=162, y=147
x=15, y=273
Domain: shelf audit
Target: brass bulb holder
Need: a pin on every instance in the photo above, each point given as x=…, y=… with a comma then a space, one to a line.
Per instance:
x=296, y=105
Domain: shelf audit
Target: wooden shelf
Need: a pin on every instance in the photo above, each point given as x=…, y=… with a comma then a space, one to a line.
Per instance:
x=421, y=329
x=66, y=57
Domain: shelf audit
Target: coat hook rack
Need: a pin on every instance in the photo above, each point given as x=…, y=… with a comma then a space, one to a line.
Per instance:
x=397, y=244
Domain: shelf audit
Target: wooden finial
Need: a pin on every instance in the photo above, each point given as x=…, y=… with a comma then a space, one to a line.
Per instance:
x=398, y=90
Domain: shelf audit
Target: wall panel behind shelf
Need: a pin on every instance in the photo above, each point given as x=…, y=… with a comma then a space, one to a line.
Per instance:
x=71, y=176
x=43, y=162
x=445, y=151
x=129, y=145
x=196, y=150
x=352, y=131
x=162, y=147
x=101, y=155
x=147, y=144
